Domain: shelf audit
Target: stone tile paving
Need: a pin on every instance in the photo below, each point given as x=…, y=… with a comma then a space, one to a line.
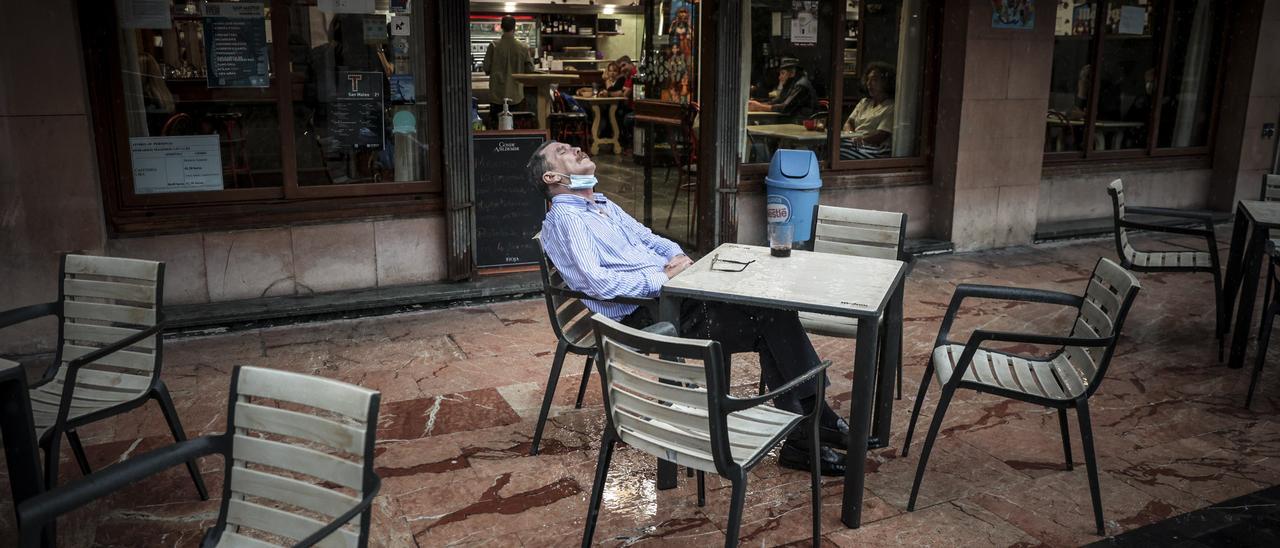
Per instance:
x=461, y=390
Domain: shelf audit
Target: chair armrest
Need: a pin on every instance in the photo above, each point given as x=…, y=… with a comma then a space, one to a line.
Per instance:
x=28, y=313
x=1166, y=212
x=570, y=293
x=344, y=518
x=1023, y=294
x=36, y=512
x=1167, y=229
x=738, y=404
x=982, y=335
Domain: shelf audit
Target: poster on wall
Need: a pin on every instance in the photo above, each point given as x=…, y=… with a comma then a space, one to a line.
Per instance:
x=235, y=44
x=187, y=163
x=1013, y=14
x=804, y=22
x=355, y=115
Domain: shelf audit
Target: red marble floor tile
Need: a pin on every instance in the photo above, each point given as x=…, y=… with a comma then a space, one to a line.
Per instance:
x=956, y=470
x=445, y=414
x=959, y=523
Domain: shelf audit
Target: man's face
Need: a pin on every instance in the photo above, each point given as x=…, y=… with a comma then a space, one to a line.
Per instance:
x=786, y=74
x=566, y=159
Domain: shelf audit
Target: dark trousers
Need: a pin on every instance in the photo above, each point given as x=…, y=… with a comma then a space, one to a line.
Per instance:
x=776, y=335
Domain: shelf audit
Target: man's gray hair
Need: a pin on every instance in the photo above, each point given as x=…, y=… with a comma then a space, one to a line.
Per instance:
x=538, y=166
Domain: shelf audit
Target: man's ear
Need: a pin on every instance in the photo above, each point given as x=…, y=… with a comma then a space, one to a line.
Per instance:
x=548, y=178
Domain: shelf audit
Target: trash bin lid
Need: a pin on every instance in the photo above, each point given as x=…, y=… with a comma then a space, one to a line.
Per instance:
x=794, y=169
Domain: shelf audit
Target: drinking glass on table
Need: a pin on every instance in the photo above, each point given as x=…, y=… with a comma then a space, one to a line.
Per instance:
x=781, y=236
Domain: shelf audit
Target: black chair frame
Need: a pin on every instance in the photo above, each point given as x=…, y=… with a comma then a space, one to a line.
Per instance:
x=720, y=404
x=980, y=336
x=50, y=441
x=37, y=512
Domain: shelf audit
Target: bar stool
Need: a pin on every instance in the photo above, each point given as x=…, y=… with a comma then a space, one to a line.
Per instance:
x=234, y=146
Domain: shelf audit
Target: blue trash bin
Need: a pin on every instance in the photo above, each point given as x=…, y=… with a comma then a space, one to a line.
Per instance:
x=792, y=190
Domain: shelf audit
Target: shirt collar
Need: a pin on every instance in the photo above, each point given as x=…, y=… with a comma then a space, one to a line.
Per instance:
x=573, y=200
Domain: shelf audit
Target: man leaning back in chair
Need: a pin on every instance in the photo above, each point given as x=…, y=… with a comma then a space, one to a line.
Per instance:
x=605, y=253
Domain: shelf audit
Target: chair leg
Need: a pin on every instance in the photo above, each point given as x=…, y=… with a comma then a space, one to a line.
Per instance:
x=815, y=482
x=77, y=449
x=915, y=410
x=899, y=379
x=597, y=488
x=934, y=426
x=735, y=509
x=586, y=379
x=556, y=364
x=1066, y=437
x=702, y=488
x=1264, y=339
x=1091, y=463
x=1217, y=301
x=51, y=459
x=161, y=394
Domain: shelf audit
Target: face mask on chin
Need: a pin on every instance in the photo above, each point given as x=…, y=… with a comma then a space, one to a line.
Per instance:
x=577, y=182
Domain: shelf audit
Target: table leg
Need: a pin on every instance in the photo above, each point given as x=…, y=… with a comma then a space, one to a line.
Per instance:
x=1235, y=257
x=1248, y=291
x=668, y=311
x=616, y=139
x=544, y=105
x=595, y=130
x=890, y=361
x=20, y=447
x=864, y=366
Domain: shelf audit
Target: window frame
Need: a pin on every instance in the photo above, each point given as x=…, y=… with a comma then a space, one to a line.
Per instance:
x=923, y=159
x=130, y=213
x=1164, y=16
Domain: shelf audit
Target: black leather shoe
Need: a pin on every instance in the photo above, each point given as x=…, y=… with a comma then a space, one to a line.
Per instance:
x=836, y=436
x=796, y=457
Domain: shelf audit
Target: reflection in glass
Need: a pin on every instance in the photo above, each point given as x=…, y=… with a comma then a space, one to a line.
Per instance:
x=1126, y=95
x=358, y=109
x=1188, y=85
x=1072, y=79
x=883, y=74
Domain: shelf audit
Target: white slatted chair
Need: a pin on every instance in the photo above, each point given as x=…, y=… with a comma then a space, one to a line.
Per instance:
x=298, y=454
x=1205, y=260
x=862, y=233
x=108, y=357
x=571, y=321
x=1063, y=380
x=694, y=422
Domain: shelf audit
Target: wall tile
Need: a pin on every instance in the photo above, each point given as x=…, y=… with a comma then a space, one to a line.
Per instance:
x=1030, y=68
x=249, y=264
x=973, y=217
x=42, y=71
x=1016, y=215
x=1073, y=197
x=185, y=279
x=751, y=219
x=332, y=257
x=986, y=67
x=50, y=186
x=410, y=251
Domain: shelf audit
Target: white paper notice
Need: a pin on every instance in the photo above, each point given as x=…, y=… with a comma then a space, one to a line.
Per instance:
x=346, y=6
x=188, y=163
x=1133, y=19
x=145, y=14
x=400, y=25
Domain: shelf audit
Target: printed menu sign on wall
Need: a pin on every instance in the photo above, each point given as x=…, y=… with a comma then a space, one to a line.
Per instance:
x=235, y=44
x=187, y=163
x=355, y=116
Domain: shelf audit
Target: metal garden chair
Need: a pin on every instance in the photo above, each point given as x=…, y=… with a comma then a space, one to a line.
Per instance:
x=298, y=454
x=1205, y=260
x=693, y=422
x=862, y=233
x=1063, y=380
x=108, y=357
x=571, y=321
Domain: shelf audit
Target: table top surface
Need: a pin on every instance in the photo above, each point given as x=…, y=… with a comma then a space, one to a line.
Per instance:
x=1263, y=213
x=795, y=132
x=544, y=78
x=600, y=99
x=1099, y=123
x=826, y=283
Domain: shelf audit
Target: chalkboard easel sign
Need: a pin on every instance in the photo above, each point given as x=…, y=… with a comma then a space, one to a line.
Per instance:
x=509, y=210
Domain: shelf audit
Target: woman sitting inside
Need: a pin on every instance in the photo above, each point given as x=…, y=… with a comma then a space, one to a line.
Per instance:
x=872, y=118
x=613, y=83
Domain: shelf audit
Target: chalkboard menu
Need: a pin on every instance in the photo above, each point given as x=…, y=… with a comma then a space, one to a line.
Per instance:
x=509, y=210
x=355, y=116
x=235, y=45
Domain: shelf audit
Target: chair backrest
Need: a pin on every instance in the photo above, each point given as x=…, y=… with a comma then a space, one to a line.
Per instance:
x=1270, y=187
x=569, y=317
x=861, y=232
x=104, y=300
x=680, y=420
x=301, y=455
x=1108, y=295
x=1123, y=247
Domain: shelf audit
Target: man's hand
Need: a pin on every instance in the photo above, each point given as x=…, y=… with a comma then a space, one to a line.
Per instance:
x=677, y=265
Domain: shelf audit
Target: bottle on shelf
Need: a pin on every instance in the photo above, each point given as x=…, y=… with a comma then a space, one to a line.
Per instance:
x=505, y=120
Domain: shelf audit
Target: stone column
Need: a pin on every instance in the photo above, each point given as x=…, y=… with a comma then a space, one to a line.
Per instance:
x=1250, y=98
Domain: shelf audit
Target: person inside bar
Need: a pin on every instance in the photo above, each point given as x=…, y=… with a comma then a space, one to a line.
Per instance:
x=796, y=99
x=872, y=119
x=504, y=57
x=602, y=251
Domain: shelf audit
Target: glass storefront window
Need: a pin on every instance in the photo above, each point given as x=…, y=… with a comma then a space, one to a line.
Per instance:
x=790, y=81
x=1072, y=81
x=1127, y=86
x=361, y=117
x=883, y=79
x=1189, y=80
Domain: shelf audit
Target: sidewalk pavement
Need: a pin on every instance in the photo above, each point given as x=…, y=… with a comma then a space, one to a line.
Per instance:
x=461, y=389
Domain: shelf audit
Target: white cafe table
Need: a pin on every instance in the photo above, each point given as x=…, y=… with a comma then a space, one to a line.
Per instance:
x=839, y=285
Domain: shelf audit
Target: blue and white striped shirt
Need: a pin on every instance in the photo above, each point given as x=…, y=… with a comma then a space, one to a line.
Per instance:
x=605, y=253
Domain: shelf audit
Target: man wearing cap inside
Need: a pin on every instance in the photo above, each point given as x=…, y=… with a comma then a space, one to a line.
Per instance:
x=605, y=253
x=796, y=99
